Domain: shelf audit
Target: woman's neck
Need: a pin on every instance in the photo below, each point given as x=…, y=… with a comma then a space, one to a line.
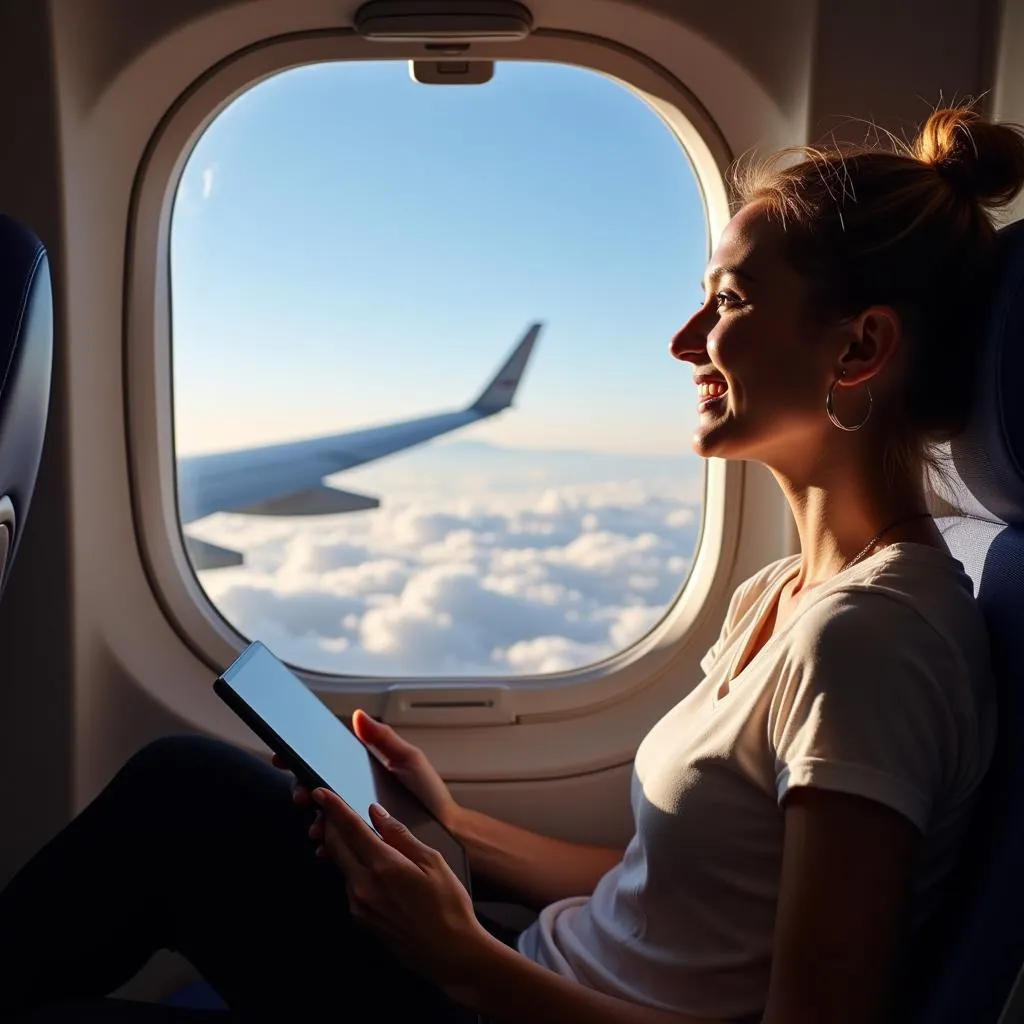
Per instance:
x=842, y=510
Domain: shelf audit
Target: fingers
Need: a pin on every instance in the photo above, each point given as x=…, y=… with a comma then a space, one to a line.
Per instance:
x=380, y=736
x=330, y=839
x=333, y=846
x=316, y=830
x=299, y=792
x=344, y=829
x=398, y=837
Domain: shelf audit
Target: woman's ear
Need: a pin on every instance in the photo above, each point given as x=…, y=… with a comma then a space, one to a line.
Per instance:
x=872, y=339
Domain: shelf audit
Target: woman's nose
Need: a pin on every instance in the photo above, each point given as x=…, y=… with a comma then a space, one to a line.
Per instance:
x=690, y=342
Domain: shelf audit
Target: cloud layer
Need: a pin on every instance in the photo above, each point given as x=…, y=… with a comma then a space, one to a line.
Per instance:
x=477, y=563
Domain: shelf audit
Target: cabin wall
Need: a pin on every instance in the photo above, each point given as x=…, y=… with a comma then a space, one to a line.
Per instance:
x=90, y=79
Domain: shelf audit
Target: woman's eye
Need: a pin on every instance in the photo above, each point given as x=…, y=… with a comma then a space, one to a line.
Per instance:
x=726, y=299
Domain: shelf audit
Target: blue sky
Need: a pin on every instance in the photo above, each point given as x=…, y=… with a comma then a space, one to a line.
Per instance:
x=350, y=247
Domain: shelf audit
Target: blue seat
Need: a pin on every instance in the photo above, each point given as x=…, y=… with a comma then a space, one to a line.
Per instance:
x=197, y=995
x=26, y=357
x=965, y=968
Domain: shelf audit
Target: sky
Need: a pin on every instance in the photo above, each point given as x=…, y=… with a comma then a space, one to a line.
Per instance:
x=348, y=248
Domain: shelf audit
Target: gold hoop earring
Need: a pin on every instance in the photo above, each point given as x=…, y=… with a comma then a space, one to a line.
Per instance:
x=830, y=407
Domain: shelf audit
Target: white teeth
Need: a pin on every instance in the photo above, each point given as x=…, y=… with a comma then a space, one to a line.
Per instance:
x=714, y=389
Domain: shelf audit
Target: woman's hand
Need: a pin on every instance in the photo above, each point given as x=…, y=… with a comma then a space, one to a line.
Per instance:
x=407, y=762
x=402, y=890
x=405, y=894
x=409, y=765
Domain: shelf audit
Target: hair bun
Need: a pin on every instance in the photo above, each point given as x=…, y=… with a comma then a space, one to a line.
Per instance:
x=980, y=158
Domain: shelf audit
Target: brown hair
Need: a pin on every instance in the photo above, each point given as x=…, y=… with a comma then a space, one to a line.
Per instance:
x=905, y=226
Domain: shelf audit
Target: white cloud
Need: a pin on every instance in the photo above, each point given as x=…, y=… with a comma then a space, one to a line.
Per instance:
x=208, y=176
x=545, y=654
x=462, y=581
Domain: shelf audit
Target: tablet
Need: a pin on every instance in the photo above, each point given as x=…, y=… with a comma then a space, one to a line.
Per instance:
x=297, y=726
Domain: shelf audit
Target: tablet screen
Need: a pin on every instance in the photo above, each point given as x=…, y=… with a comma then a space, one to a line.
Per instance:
x=296, y=725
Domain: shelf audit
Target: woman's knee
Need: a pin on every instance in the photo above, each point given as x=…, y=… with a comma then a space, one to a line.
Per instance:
x=202, y=787
x=175, y=756
x=191, y=767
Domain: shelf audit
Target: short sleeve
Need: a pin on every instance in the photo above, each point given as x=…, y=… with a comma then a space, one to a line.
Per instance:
x=863, y=705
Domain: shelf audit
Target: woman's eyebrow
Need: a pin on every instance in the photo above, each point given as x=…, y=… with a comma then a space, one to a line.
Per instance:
x=718, y=272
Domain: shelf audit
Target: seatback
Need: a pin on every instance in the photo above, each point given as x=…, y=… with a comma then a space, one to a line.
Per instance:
x=966, y=965
x=26, y=357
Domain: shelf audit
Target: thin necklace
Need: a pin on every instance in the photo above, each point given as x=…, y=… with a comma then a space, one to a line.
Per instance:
x=878, y=536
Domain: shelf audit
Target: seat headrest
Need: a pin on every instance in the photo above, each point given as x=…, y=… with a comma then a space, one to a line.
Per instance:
x=988, y=456
x=26, y=356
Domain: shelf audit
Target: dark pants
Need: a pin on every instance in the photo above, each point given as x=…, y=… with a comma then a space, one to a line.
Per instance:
x=196, y=847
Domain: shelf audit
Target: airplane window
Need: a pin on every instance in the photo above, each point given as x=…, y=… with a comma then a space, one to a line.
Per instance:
x=425, y=418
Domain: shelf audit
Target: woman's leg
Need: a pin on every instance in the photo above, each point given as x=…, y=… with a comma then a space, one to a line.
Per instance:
x=112, y=1011
x=196, y=846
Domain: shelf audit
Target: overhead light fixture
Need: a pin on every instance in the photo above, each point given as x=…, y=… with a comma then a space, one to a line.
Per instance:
x=451, y=72
x=433, y=22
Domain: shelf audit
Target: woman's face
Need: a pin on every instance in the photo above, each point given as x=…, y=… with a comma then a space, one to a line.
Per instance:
x=762, y=365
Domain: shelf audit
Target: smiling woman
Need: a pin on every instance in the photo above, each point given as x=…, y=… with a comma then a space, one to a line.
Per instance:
x=326, y=281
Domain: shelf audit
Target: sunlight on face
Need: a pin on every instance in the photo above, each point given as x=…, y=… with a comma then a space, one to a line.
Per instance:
x=762, y=369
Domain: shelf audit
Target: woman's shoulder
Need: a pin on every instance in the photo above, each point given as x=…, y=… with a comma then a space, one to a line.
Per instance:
x=901, y=639
x=907, y=596
x=925, y=580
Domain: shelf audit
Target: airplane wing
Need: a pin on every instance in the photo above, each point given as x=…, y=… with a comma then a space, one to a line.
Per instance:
x=287, y=479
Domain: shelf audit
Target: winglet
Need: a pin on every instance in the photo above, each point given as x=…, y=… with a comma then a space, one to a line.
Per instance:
x=314, y=501
x=204, y=555
x=501, y=390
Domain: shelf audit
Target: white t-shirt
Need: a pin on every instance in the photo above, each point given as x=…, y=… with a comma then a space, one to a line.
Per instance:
x=879, y=685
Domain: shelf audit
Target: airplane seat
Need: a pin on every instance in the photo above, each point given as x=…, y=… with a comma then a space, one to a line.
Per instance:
x=26, y=355
x=964, y=968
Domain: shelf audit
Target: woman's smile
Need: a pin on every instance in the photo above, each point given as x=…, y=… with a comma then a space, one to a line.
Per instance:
x=712, y=394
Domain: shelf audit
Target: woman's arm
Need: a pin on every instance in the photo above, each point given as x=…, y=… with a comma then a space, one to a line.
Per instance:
x=530, y=866
x=538, y=868
x=841, y=915
x=840, y=920
x=405, y=892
